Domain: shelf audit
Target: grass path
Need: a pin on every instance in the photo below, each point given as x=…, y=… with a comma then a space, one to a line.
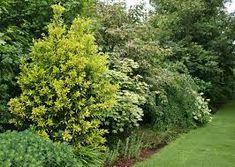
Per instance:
x=209, y=146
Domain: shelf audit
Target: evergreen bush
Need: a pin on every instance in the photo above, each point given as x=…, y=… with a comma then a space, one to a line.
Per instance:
x=64, y=92
x=21, y=149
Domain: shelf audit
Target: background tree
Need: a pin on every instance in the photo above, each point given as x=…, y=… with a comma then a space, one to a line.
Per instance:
x=130, y=36
x=199, y=34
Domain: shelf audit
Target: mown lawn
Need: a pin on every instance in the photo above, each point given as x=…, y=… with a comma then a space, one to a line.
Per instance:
x=210, y=146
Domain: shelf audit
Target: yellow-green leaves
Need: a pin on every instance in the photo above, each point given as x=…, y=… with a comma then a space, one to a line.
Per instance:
x=64, y=92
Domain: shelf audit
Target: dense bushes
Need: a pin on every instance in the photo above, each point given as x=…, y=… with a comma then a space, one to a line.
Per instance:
x=127, y=149
x=26, y=149
x=175, y=102
x=9, y=58
x=32, y=16
x=161, y=70
x=64, y=92
x=196, y=33
x=173, y=99
x=127, y=113
x=21, y=22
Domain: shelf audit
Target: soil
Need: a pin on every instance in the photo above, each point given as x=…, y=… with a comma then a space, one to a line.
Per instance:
x=144, y=154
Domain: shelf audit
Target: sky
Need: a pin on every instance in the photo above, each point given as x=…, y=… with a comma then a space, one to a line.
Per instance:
x=133, y=2
x=230, y=6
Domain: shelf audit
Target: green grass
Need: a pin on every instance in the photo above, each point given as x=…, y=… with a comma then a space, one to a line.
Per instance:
x=209, y=146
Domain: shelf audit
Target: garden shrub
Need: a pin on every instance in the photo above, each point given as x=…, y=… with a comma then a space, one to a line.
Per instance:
x=64, y=92
x=127, y=113
x=112, y=154
x=195, y=30
x=175, y=102
x=126, y=149
x=20, y=23
x=21, y=149
x=89, y=156
x=136, y=40
x=9, y=60
x=32, y=16
x=132, y=147
x=153, y=139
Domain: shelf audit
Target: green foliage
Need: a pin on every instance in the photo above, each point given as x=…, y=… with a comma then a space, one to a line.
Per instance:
x=129, y=35
x=112, y=154
x=64, y=92
x=21, y=22
x=175, y=102
x=154, y=139
x=89, y=156
x=32, y=16
x=168, y=106
x=127, y=113
x=196, y=33
x=67, y=93
x=201, y=114
x=126, y=149
x=27, y=149
x=111, y=20
x=199, y=145
x=9, y=55
x=132, y=147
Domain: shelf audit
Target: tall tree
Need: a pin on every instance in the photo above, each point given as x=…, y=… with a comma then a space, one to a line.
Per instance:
x=200, y=35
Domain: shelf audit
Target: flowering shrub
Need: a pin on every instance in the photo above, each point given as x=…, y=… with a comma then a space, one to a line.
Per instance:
x=64, y=91
x=203, y=114
x=175, y=102
x=132, y=93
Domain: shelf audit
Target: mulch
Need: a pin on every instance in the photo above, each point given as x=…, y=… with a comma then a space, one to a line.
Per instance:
x=144, y=154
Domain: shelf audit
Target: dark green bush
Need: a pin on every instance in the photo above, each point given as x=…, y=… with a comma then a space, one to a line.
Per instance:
x=21, y=149
x=174, y=99
x=201, y=36
x=175, y=102
x=9, y=57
